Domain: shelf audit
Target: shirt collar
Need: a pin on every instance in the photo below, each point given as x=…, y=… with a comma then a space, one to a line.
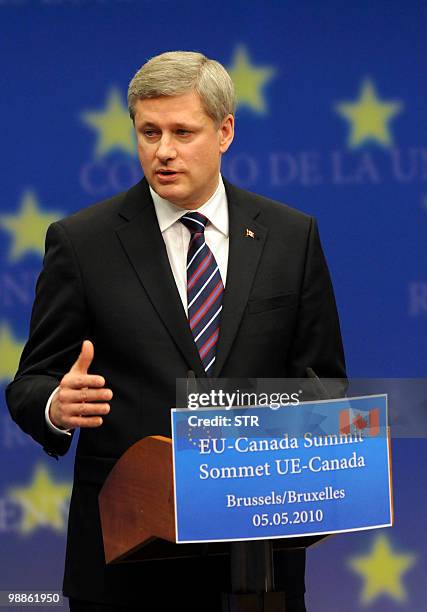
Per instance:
x=215, y=209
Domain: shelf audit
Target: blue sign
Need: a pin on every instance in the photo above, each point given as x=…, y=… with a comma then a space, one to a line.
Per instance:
x=305, y=469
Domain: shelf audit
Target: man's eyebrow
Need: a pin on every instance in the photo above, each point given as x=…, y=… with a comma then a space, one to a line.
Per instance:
x=145, y=124
x=177, y=125
x=185, y=125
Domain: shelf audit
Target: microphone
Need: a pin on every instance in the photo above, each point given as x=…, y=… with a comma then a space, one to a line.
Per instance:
x=191, y=385
x=318, y=386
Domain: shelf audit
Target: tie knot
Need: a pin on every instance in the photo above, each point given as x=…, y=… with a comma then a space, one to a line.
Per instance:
x=195, y=222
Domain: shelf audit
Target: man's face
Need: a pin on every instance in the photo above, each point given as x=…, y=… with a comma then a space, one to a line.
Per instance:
x=180, y=147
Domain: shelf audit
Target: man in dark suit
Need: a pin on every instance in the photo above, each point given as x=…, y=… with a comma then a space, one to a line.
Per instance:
x=110, y=330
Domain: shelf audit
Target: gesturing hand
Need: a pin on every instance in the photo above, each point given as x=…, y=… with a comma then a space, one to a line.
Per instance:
x=82, y=398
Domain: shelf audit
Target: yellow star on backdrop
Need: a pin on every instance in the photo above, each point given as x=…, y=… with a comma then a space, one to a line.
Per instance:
x=249, y=81
x=43, y=502
x=28, y=227
x=369, y=117
x=10, y=352
x=382, y=570
x=113, y=125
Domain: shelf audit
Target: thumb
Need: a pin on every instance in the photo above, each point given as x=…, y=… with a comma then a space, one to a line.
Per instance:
x=85, y=358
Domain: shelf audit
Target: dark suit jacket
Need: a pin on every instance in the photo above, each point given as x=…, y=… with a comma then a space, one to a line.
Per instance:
x=106, y=276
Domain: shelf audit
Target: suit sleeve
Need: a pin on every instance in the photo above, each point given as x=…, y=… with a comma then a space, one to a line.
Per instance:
x=317, y=340
x=59, y=324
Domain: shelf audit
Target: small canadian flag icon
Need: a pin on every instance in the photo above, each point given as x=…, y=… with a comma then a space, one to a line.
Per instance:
x=360, y=421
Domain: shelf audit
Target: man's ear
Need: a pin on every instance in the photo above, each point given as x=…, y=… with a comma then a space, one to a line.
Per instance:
x=226, y=133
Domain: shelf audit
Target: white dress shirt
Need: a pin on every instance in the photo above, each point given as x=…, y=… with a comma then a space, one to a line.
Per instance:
x=177, y=238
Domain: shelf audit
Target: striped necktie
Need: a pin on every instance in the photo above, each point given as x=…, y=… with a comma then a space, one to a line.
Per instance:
x=204, y=290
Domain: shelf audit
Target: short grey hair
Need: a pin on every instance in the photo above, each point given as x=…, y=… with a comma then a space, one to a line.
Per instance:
x=178, y=72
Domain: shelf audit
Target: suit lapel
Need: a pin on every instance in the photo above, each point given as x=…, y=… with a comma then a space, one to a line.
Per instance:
x=143, y=243
x=244, y=253
x=142, y=240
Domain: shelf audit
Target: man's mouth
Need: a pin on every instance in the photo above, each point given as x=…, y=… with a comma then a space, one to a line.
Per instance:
x=166, y=176
x=164, y=172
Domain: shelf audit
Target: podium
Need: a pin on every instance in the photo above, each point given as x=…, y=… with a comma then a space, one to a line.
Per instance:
x=137, y=513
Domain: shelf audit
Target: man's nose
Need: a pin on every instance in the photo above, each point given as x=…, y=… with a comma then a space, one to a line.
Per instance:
x=166, y=149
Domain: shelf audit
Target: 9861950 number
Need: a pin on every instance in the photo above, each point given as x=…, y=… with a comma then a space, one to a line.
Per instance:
x=30, y=598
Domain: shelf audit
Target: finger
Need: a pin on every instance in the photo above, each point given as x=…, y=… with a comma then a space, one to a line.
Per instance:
x=84, y=359
x=83, y=422
x=73, y=396
x=73, y=380
x=86, y=410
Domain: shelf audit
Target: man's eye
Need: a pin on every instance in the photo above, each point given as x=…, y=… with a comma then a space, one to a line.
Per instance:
x=183, y=132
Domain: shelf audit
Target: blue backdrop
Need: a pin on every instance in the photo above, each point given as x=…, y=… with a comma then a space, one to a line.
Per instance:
x=331, y=119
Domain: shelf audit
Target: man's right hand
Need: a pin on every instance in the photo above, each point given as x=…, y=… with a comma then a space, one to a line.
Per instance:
x=82, y=398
